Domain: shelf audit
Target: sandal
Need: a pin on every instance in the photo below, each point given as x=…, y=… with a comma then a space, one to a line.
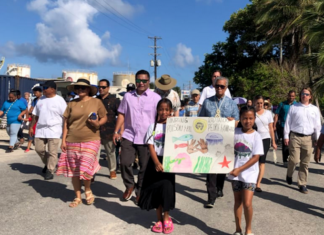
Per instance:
x=157, y=228
x=259, y=190
x=27, y=150
x=75, y=202
x=168, y=226
x=89, y=197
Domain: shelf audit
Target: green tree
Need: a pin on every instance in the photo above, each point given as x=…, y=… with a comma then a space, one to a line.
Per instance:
x=178, y=90
x=152, y=85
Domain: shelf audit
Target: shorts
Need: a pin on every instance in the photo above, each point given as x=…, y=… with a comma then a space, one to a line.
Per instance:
x=31, y=138
x=238, y=186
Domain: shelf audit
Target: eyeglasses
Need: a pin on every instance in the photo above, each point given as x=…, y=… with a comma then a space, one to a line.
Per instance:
x=306, y=94
x=220, y=86
x=102, y=87
x=141, y=80
x=80, y=87
x=45, y=87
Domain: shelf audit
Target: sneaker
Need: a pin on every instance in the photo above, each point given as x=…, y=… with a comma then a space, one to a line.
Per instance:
x=49, y=175
x=210, y=204
x=113, y=175
x=238, y=233
x=220, y=193
x=44, y=169
x=27, y=150
x=303, y=189
x=289, y=180
x=9, y=150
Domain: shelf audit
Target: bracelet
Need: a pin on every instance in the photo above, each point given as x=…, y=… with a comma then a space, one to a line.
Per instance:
x=116, y=133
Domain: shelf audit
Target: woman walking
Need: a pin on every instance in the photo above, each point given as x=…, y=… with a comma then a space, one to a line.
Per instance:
x=13, y=111
x=81, y=139
x=264, y=123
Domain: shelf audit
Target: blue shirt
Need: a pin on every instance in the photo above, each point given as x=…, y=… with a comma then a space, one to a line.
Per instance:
x=181, y=113
x=282, y=111
x=24, y=101
x=34, y=102
x=228, y=108
x=14, y=111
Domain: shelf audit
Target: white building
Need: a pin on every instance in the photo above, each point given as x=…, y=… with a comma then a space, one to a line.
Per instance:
x=18, y=70
x=73, y=76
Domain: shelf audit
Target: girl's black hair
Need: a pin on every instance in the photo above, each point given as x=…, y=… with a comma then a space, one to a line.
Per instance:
x=246, y=109
x=162, y=101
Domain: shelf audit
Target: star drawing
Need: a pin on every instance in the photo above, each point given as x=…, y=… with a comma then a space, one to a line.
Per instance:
x=224, y=163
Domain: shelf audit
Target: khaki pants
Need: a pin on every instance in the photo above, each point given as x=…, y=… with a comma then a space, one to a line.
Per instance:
x=300, y=150
x=49, y=157
x=111, y=154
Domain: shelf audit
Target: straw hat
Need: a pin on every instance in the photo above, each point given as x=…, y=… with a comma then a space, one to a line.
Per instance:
x=83, y=82
x=165, y=82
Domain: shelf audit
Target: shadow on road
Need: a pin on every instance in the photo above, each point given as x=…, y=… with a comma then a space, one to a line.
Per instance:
x=310, y=187
x=51, y=189
x=26, y=168
x=200, y=177
x=184, y=190
x=289, y=202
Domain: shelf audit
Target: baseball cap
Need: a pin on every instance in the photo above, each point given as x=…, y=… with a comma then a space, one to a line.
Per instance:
x=51, y=84
x=130, y=87
x=37, y=88
x=195, y=92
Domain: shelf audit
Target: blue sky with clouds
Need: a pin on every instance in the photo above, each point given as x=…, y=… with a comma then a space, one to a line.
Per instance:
x=109, y=36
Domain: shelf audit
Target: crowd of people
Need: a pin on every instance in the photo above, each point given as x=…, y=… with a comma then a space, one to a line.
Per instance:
x=88, y=121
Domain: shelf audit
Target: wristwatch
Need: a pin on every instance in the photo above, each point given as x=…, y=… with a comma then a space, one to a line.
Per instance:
x=116, y=133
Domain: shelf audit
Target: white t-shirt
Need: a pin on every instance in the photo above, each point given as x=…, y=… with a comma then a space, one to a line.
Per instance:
x=157, y=139
x=245, y=147
x=50, y=117
x=210, y=91
x=262, y=121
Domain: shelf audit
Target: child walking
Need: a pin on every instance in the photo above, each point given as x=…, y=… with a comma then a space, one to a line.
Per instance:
x=158, y=190
x=248, y=147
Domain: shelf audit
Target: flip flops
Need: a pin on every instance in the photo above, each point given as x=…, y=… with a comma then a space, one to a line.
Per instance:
x=157, y=228
x=168, y=226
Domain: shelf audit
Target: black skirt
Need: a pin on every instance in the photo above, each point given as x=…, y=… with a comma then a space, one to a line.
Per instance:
x=158, y=189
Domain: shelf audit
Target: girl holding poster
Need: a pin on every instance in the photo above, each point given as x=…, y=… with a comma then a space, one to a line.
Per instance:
x=158, y=190
x=247, y=147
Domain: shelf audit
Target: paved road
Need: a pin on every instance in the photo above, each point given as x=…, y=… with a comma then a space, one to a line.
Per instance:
x=30, y=205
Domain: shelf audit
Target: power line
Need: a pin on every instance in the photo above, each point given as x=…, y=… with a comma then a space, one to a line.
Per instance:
x=155, y=54
x=127, y=20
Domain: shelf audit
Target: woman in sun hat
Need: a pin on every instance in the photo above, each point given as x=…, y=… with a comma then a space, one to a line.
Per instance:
x=163, y=87
x=81, y=138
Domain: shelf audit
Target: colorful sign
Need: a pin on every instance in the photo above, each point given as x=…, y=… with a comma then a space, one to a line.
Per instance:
x=199, y=145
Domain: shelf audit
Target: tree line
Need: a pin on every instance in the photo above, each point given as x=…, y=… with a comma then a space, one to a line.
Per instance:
x=273, y=46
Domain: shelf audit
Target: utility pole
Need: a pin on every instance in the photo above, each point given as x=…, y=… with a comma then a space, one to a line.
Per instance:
x=155, y=55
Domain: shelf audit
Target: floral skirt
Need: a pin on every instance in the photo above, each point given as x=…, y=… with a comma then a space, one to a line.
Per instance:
x=79, y=160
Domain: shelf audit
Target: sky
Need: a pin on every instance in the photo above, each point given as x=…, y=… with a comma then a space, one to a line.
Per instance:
x=109, y=36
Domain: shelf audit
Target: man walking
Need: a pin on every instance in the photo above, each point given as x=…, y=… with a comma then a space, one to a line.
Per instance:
x=218, y=105
x=111, y=104
x=281, y=115
x=191, y=110
x=209, y=91
x=303, y=122
x=48, y=113
x=137, y=111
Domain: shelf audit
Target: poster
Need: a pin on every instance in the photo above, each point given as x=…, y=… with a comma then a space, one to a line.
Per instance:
x=199, y=145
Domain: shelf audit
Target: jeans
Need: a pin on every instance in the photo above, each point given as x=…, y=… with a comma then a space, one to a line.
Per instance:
x=12, y=131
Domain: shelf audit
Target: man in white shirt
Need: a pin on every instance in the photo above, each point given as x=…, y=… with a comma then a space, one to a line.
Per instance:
x=302, y=123
x=48, y=113
x=209, y=91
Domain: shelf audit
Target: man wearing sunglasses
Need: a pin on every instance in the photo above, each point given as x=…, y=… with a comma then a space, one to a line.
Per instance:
x=48, y=113
x=111, y=104
x=218, y=105
x=302, y=128
x=209, y=91
x=136, y=111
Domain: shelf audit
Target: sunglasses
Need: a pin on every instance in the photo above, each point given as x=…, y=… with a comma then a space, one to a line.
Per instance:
x=141, y=80
x=45, y=87
x=102, y=87
x=306, y=94
x=220, y=86
x=80, y=87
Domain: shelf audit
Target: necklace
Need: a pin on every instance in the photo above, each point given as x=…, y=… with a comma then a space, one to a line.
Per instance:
x=218, y=112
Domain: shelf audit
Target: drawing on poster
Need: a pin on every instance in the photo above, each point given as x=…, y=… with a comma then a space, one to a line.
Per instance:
x=199, y=145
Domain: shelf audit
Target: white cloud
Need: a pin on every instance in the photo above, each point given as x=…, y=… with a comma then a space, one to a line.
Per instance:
x=120, y=6
x=63, y=35
x=183, y=56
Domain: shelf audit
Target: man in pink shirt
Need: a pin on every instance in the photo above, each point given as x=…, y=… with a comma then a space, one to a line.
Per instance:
x=137, y=111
